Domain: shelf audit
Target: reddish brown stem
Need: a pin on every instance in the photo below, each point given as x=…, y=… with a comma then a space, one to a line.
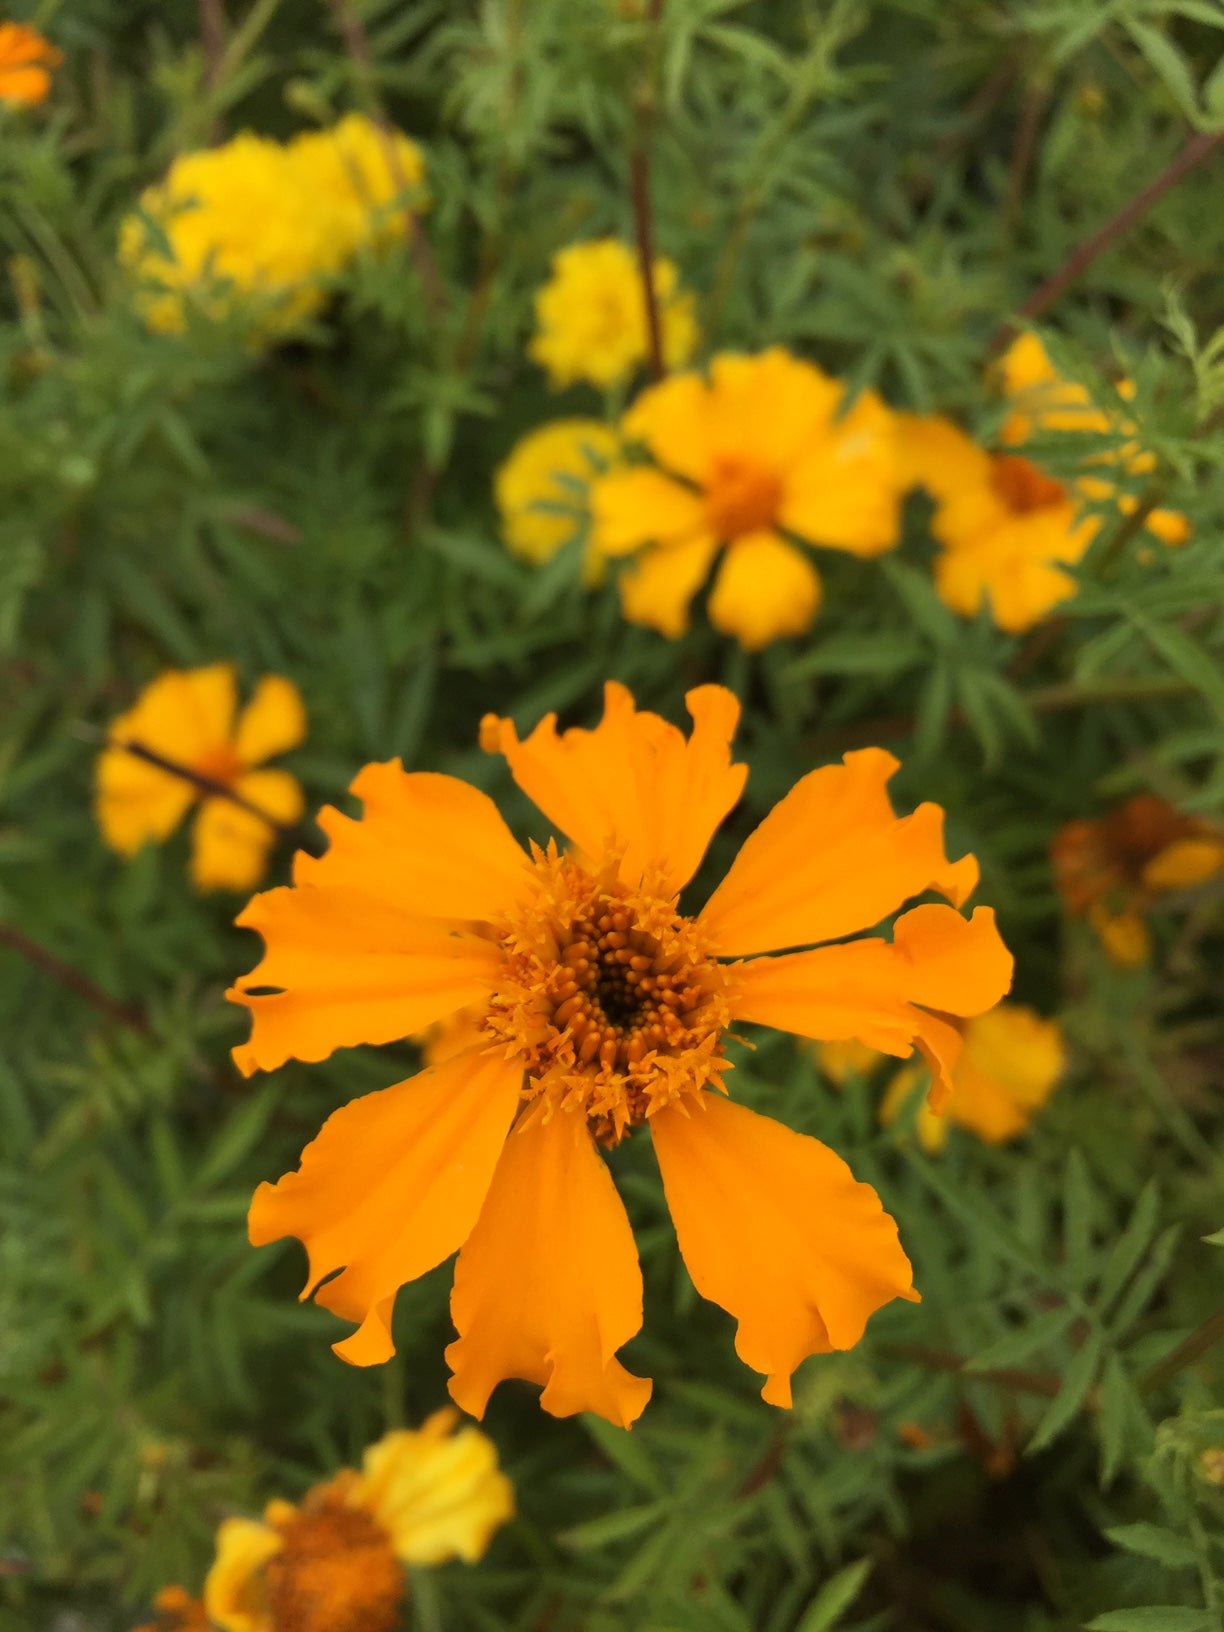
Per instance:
x=212, y=38
x=206, y=785
x=1199, y=1341
x=1195, y=151
x=73, y=979
x=1026, y=1382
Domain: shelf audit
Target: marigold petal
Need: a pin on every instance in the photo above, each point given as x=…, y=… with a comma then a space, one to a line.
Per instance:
x=430, y=845
x=935, y=453
x=229, y=844
x=657, y=590
x=235, y=1592
x=844, y=489
x=1184, y=863
x=635, y=784
x=135, y=802
x=185, y=714
x=438, y=1494
x=765, y=589
x=547, y=1286
x=775, y=1229
x=350, y=969
x=1017, y=565
x=672, y=420
x=273, y=722
x=1010, y=1065
x=391, y=1186
x=639, y=505
x=1169, y=526
x=869, y=989
x=832, y=858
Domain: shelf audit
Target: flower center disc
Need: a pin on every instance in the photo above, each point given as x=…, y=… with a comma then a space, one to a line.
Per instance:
x=610, y=999
x=1022, y=487
x=741, y=497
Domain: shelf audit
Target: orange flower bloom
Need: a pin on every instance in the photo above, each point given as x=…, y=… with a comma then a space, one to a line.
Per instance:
x=177, y=1611
x=604, y=1009
x=755, y=454
x=1009, y=1067
x=187, y=718
x=26, y=61
x=1008, y=529
x=1108, y=869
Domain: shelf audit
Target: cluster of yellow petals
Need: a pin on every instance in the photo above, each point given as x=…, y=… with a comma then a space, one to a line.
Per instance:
x=27, y=61
x=761, y=454
x=335, y=1562
x=591, y=315
x=1010, y=1064
x=1008, y=531
x=590, y=1005
x=259, y=226
x=1108, y=869
x=189, y=718
x=542, y=489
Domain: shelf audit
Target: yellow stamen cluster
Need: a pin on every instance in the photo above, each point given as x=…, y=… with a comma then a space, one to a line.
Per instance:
x=610, y=999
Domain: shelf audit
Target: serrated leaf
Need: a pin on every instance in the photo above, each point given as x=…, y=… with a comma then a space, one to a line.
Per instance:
x=1184, y=655
x=1130, y=1246
x=836, y=1595
x=1078, y=1209
x=1152, y=1541
x=626, y=1521
x=1216, y=1240
x=1079, y=1378
x=1152, y=1618
x=1168, y=63
x=1018, y=1345
x=626, y=1452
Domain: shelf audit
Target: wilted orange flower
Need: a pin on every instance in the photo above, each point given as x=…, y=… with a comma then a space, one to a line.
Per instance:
x=1009, y=1066
x=1009, y=529
x=26, y=61
x=187, y=718
x=756, y=456
x=1108, y=869
x=604, y=1008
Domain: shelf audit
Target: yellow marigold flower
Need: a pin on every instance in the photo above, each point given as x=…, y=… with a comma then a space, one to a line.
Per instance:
x=335, y=1563
x=26, y=62
x=187, y=718
x=353, y=174
x=177, y=1611
x=1008, y=529
x=604, y=1009
x=758, y=452
x=591, y=315
x=239, y=225
x=1108, y=869
x=543, y=488
x=1009, y=1066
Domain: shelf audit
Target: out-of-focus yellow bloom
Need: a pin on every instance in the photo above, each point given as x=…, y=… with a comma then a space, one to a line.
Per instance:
x=846, y=1058
x=335, y=1563
x=354, y=173
x=1008, y=529
x=591, y=315
x=188, y=718
x=257, y=225
x=1108, y=869
x=543, y=488
x=26, y=62
x=755, y=454
x=1009, y=1066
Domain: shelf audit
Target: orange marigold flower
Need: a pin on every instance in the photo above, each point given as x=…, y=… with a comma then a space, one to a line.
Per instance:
x=177, y=1611
x=1108, y=869
x=1010, y=1065
x=1008, y=529
x=335, y=1563
x=187, y=718
x=758, y=452
x=604, y=1008
x=26, y=61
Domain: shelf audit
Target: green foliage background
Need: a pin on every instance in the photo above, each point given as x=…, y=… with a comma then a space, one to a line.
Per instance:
x=878, y=184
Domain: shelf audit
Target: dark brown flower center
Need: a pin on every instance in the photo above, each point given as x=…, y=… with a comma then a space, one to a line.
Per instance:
x=335, y=1573
x=741, y=497
x=1022, y=487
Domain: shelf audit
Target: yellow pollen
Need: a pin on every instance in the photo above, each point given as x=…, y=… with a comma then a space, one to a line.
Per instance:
x=1022, y=487
x=741, y=497
x=610, y=999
